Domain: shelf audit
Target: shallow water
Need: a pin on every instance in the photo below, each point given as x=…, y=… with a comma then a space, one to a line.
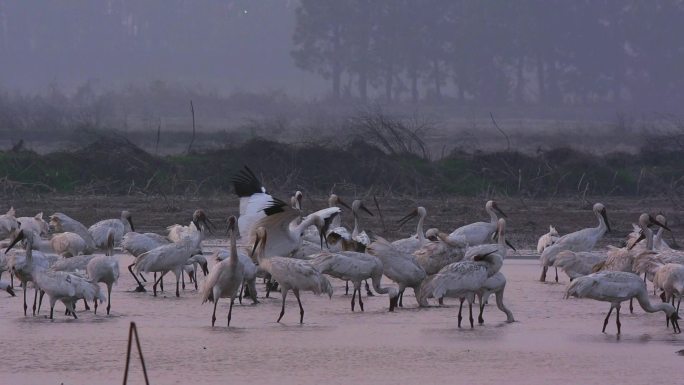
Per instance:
x=553, y=340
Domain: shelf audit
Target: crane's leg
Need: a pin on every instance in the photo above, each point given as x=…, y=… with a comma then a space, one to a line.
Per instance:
x=24, y=285
x=360, y=301
x=12, y=280
x=346, y=287
x=109, y=297
x=194, y=277
x=543, y=274
x=617, y=319
x=251, y=286
x=183, y=279
x=282, y=310
x=480, y=319
x=35, y=300
x=230, y=310
x=678, y=302
x=605, y=322
x=161, y=283
x=470, y=309
x=40, y=301
x=142, y=277
x=213, y=315
x=52, y=310
x=631, y=305
x=154, y=286
x=73, y=310
x=556, y=274
x=368, y=290
x=140, y=288
x=242, y=288
x=401, y=298
x=301, y=309
x=178, y=284
x=460, y=308
x=87, y=307
x=354, y=299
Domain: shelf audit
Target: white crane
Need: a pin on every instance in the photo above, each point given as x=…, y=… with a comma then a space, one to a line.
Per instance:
x=101, y=230
x=487, y=248
x=434, y=255
x=292, y=274
x=171, y=257
x=24, y=263
x=636, y=237
x=616, y=287
x=66, y=244
x=411, y=244
x=8, y=224
x=462, y=280
x=580, y=263
x=547, y=239
x=284, y=229
x=253, y=200
x=225, y=277
x=249, y=273
x=137, y=244
x=479, y=232
x=581, y=240
x=58, y=285
x=296, y=200
x=355, y=267
x=105, y=269
x=61, y=223
x=398, y=266
x=4, y=285
x=35, y=223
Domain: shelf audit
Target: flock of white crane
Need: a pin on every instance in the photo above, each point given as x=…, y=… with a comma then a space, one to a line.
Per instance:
x=271, y=239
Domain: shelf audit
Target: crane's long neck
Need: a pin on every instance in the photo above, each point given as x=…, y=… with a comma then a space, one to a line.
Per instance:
x=494, y=263
x=419, y=230
x=602, y=226
x=493, y=219
x=649, y=237
x=264, y=263
x=233, y=249
x=502, y=241
x=299, y=228
x=646, y=304
x=357, y=226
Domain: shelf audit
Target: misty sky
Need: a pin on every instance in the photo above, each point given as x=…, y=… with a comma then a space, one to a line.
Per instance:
x=222, y=45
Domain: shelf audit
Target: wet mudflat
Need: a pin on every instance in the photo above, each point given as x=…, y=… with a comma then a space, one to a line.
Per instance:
x=553, y=340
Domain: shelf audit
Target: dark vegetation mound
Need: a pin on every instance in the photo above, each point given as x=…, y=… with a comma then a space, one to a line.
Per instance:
x=114, y=165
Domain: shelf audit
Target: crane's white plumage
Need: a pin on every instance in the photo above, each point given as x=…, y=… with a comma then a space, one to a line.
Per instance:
x=411, y=244
x=616, y=287
x=580, y=263
x=479, y=232
x=292, y=274
x=547, y=239
x=101, y=230
x=226, y=277
x=8, y=224
x=399, y=266
x=582, y=240
x=355, y=267
x=61, y=223
x=36, y=224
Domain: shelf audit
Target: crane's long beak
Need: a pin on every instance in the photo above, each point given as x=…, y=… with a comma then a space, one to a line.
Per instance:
x=498, y=210
x=510, y=245
x=256, y=243
x=341, y=202
x=657, y=223
x=16, y=240
x=605, y=218
x=639, y=239
x=482, y=256
x=10, y=291
x=130, y=222
x=408, y=217
x=364, y=208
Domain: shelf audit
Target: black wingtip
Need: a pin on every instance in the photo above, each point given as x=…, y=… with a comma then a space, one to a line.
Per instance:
x=246, y=183
x=277, y=206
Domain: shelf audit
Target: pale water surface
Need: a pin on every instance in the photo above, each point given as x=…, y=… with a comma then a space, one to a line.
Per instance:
x=553, y=341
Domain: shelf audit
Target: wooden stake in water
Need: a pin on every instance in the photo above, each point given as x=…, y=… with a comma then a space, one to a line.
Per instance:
x=131, y=331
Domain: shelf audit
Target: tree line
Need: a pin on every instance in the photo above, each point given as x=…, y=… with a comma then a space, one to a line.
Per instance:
x=539, y=52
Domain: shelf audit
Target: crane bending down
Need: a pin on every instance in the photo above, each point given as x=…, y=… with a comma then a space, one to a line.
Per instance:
x=582, y=240
x=292, y=274
x=616, y=287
